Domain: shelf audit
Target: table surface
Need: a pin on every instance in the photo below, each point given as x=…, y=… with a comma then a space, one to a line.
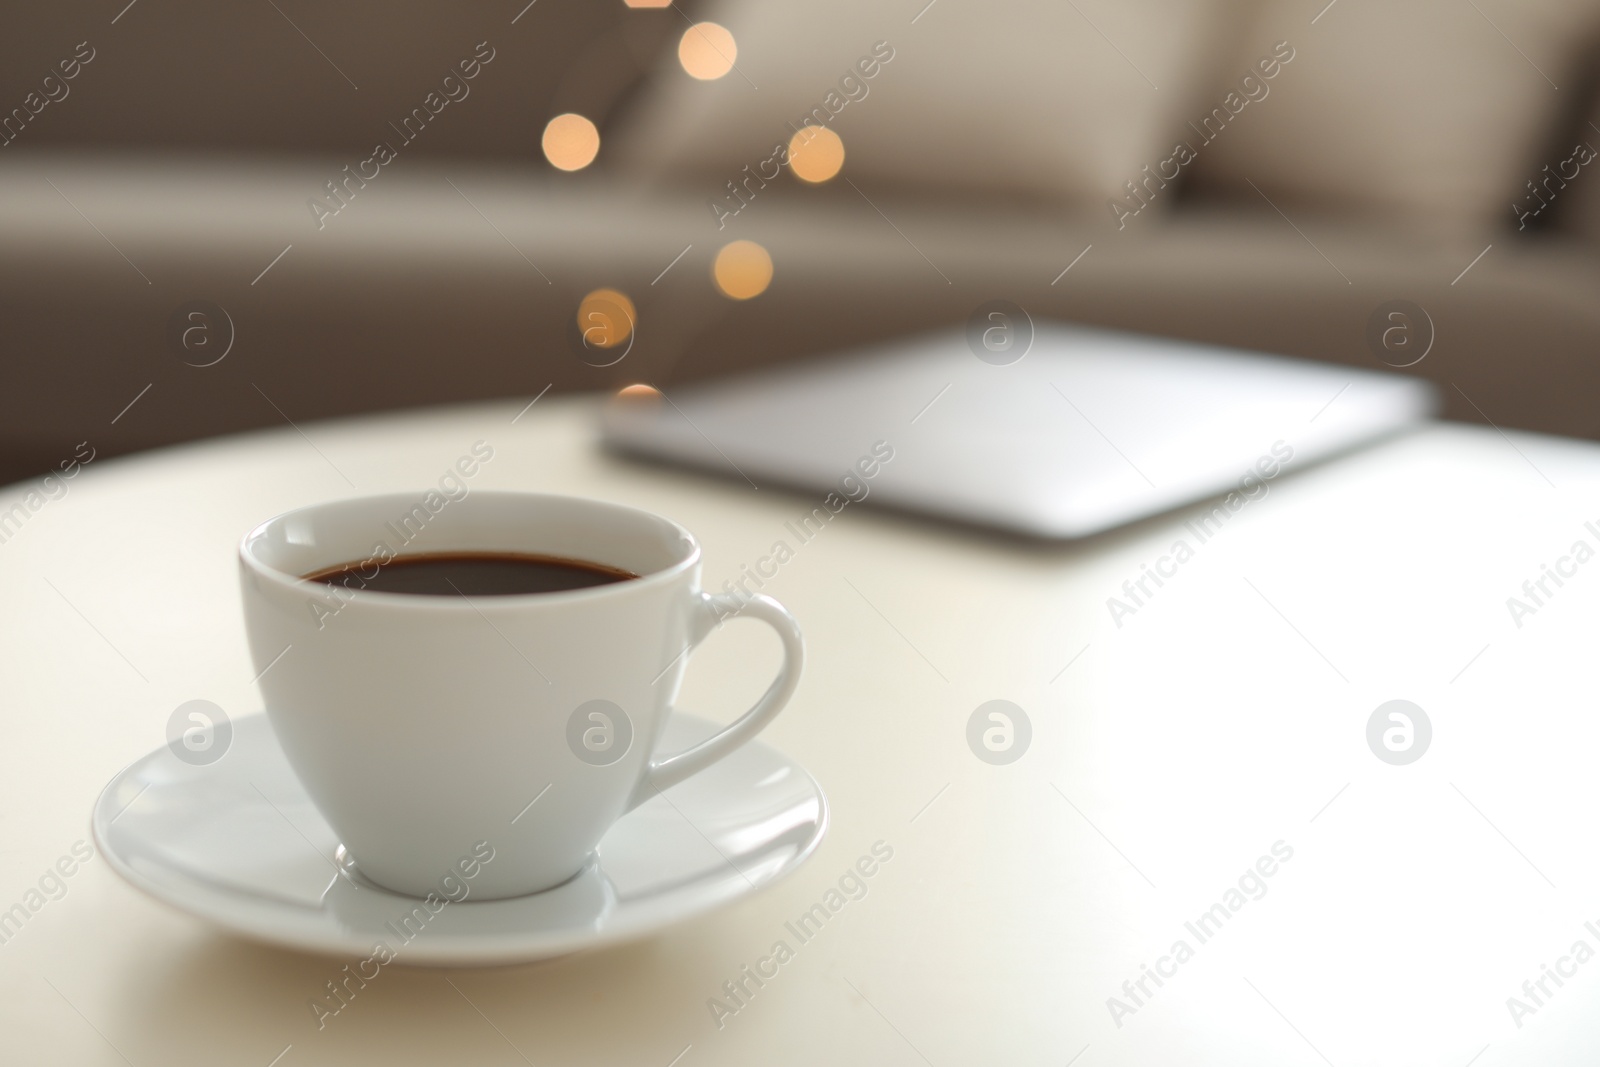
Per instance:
x=1170, y=750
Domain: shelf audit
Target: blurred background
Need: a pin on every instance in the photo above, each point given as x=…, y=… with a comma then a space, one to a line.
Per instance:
x=216, y=217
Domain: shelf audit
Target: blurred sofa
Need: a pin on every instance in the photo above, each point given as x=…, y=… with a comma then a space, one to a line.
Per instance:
x=1258, y=173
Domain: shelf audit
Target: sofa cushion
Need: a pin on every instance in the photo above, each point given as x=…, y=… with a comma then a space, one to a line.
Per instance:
x=1435, y=112
x=1059, y=102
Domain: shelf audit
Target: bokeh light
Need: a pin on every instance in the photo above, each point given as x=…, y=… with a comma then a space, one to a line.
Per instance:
x=815, y=153
x=606, y=318
x=743, y=269
x=570, y=142
x=707, y=51
x=648, y=3
x=638, y=395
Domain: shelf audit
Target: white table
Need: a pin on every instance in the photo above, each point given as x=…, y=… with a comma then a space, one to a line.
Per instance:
x=1227, y=714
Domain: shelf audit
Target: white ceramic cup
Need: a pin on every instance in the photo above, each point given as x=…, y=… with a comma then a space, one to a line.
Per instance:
x=422, y=725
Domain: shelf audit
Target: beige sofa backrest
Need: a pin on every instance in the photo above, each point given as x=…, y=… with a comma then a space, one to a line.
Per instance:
x=1436, y=113
x=293, y=76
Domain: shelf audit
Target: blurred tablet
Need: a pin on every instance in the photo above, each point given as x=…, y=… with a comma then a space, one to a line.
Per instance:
x=1062, y=434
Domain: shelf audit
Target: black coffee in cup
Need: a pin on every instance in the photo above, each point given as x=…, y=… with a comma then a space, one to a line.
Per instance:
x=471, y=574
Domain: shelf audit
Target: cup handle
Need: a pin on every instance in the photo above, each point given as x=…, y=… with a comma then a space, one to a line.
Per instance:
x=715, y=608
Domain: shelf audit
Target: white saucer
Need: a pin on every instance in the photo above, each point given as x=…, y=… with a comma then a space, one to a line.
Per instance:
x=238, y=843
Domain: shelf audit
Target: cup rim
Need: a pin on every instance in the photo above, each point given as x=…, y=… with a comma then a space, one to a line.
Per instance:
x=294, y=583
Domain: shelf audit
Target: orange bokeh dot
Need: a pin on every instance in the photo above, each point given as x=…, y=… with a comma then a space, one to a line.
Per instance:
x=707, y=51
x=638, y=394
x=742, y=269
x=606, y=318
x=570, y=142
x=815, y=153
